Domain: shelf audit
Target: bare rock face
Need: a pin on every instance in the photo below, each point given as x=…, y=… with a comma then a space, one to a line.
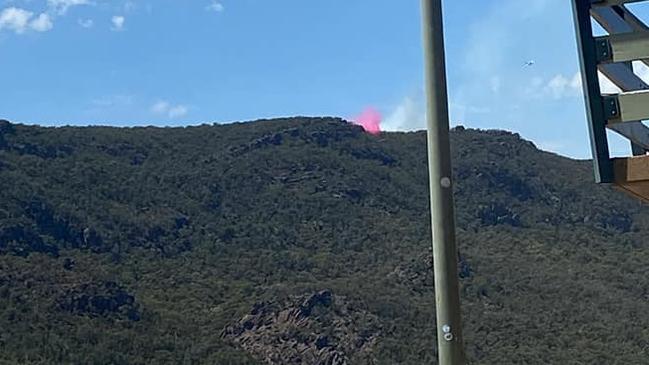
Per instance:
x=106, y=299
x=319, y=329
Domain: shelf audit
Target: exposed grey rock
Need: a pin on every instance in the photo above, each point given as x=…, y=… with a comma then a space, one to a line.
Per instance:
x=319, y=329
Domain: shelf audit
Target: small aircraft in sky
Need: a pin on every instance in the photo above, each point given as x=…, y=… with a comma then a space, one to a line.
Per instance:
x=529, y=63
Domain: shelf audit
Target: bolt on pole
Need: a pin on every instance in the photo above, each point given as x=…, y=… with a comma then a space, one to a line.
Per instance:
x=447, y=296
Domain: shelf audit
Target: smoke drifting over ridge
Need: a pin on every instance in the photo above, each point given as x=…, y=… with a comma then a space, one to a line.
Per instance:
x=406, y=116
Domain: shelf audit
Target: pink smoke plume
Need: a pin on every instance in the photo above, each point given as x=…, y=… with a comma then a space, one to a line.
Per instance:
x=370, y=120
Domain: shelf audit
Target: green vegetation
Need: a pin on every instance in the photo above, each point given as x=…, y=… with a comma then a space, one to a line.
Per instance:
x=157, y=245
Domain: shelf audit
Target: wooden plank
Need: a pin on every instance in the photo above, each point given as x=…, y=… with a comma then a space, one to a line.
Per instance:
x=633, y=106
x=618, y=20
x=610, y=20
x=632, y=176
x=614, y=2
x=639, y=190
x=631, y=169
x=622, y=76
x=636, y=132
x=628, y=46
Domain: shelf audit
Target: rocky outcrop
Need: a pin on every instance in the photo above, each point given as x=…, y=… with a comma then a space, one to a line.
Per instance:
x=325, y=134
x=498, y=213
x=5, y=128
x=319, y=329
x=105, y=299
x=20, y=241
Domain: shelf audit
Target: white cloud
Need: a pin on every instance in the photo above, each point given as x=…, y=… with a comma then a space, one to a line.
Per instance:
x=575, y=82
x=177, y=111
x=160, y=107
x=557, y=86
x=170, y=111
x=15, y=19
x=118, y=23
x=215, y=6
x=561, y=86
x=86, y=23
x=21, y=20
x=42, y=23
x=62, y=6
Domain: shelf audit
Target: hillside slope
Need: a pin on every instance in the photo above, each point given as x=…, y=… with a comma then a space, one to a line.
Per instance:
x=306, y=240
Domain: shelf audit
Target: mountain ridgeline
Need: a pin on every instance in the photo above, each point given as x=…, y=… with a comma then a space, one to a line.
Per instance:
x=306, y=241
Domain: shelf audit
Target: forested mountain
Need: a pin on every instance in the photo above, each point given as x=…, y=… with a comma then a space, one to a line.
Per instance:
x=306, y=241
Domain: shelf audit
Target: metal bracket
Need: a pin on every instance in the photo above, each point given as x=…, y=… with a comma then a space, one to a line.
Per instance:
x=448, y=335
x=604, y=52
x=611, y=107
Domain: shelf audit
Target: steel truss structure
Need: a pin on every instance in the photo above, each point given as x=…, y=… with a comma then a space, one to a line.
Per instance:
x=612, y=55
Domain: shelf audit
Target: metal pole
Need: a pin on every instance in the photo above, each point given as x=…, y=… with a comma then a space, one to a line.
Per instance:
x=447, y=297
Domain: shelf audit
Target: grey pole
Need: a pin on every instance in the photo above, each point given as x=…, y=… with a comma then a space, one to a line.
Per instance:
x=447, y=296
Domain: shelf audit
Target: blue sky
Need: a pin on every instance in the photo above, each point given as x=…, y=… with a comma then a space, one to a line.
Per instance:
x=173, y=62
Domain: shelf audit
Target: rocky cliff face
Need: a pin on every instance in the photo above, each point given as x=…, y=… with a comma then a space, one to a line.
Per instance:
x=319, y=329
